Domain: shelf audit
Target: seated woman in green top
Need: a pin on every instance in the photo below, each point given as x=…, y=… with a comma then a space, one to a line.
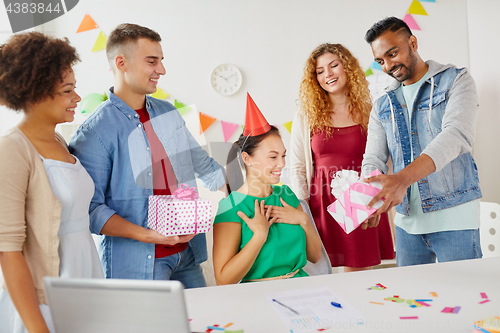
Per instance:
x=260, y=231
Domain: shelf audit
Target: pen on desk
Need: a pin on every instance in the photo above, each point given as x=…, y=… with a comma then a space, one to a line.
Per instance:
x=337, y=305
x=283, y=305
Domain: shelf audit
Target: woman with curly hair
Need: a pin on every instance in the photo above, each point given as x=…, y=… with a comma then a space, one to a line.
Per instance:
x=45, y=193
x=329, y=134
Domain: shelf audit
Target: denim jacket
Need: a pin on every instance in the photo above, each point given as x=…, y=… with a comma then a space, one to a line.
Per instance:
x=442, y=126
x=113, y=147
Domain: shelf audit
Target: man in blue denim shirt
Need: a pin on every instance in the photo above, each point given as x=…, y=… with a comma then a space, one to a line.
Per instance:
x=115, y=147
x=426, y=123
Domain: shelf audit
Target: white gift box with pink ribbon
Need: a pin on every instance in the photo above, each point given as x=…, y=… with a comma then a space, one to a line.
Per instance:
x=181, y=213
x=353, y=194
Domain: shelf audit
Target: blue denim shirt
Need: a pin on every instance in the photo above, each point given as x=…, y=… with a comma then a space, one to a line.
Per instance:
x=113, y=147
x=442, y=127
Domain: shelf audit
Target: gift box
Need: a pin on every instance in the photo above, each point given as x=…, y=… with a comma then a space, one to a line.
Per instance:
x=353, y=194
x=181, y=213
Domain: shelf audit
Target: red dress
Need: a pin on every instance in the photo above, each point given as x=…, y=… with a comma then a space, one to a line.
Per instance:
x=344, y=150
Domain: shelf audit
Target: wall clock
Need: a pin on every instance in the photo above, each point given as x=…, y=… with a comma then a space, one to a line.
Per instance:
x=226, y=79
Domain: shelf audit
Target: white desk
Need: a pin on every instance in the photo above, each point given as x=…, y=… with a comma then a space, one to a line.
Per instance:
x=456, y=283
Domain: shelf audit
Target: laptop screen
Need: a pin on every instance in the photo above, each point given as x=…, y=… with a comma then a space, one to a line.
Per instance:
x=115, y=305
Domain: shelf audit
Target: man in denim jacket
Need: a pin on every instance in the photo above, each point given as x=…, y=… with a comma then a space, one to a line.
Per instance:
x=134, y=146
x=426, y=124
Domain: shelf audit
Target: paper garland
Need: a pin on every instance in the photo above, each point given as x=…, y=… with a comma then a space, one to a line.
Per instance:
x=228, y=129
x=100, y=43
x=416, y=8
x=205, y=121
x=87, y=24
x=160, y=93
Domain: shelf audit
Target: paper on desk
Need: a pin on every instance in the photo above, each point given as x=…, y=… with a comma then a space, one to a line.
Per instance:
x=315, y=310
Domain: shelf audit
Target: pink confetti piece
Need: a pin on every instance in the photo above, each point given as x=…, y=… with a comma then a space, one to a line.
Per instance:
x=423, y=303
x=414, y=317
x=485, y=301
x=447, y=310
x=483, y=295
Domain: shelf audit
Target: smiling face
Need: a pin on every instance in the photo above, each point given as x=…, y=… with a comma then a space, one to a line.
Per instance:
x=330, y=74
x=145, y=67
x=267, y=161
x=396, y=52
x=60, y=108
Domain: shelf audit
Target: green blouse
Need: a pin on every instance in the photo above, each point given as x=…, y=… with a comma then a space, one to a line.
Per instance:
x=285, y=248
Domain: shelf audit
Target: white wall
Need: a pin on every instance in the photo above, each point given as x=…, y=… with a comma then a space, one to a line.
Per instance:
x=270, y=40
x=484, y=32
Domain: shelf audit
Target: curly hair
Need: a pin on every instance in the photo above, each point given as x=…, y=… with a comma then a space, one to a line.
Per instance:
x=314, y=100
x=31, y=66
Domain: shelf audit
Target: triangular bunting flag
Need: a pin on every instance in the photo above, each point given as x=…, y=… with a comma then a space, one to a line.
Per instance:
x=376, y=65
x=288, y=126
x=369, y=72
x=181, y=107
x=228, y=129
x=160, y=94
x=100, y=43
x=87, y=24
x=205, y=122
x=416, y=8
x=411, y=22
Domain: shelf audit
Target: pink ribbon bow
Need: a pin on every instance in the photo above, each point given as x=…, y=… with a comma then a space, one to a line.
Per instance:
x=186, y=193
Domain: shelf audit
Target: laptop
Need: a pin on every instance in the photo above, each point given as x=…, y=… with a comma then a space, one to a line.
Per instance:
x=115, y=305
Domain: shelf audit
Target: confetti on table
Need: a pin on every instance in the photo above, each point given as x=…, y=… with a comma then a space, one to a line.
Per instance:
x=215, y=328
x=483, y=295
x=434, y=294
x=423, y=303
x=238, y=331
x=485, y=301
x=414, y=317
x=378, y=286
x=377, y=303
x=451, y=310
x=423, y=300
x=227, y=325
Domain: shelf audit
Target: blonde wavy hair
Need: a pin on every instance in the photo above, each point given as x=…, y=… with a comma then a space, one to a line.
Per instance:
x=314, y=101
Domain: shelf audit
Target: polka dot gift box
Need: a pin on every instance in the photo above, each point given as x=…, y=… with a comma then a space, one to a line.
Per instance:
x=181, y=213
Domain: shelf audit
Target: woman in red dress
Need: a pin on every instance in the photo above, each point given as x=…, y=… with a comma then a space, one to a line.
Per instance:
x=329, y=134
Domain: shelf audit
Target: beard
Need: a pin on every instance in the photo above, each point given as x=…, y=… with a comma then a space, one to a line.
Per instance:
x=406, y=71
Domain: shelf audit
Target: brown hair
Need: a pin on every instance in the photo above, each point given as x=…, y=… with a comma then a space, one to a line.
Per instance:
x=124, y=34
x=31, y=66
x=314, y=101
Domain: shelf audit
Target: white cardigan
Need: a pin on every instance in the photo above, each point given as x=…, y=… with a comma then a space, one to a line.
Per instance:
x=301, y=168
